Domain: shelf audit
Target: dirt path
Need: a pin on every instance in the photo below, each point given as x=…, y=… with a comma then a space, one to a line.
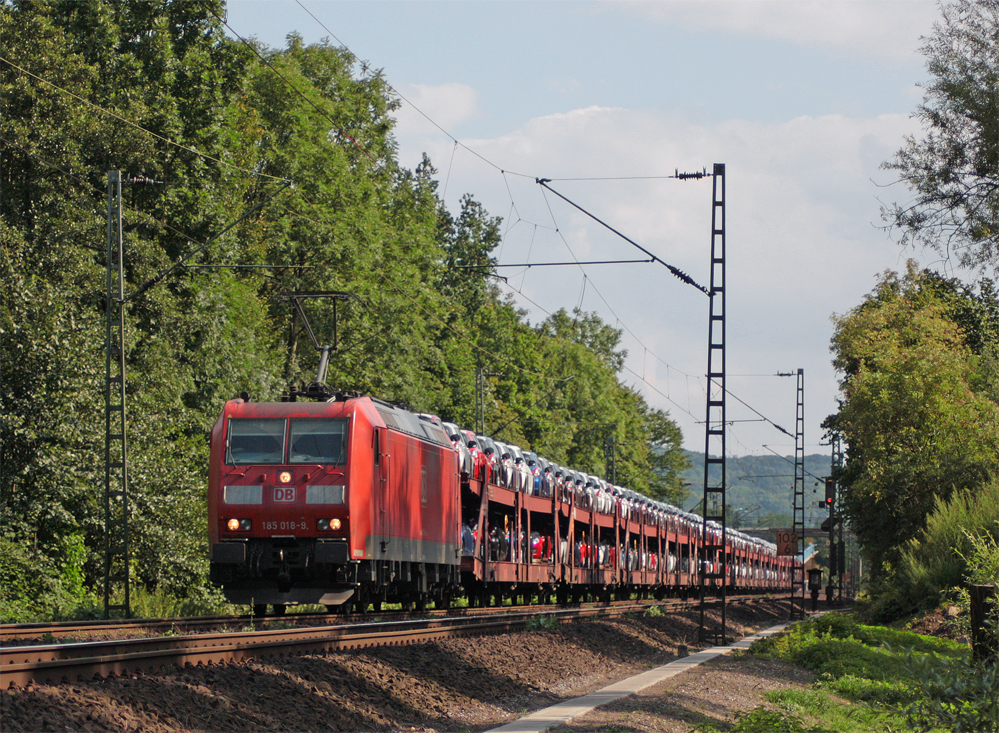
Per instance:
x=455, y=685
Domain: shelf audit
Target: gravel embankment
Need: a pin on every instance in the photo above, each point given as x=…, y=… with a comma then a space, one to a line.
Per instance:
x=454, y=685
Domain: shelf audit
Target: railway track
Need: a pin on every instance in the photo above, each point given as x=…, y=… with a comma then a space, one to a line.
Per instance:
x=24, y=665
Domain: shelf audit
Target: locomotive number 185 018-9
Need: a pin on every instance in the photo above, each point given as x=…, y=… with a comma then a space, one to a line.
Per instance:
x=303, y=525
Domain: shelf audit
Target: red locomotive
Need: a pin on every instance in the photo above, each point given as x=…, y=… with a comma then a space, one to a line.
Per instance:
x=349, y=501
x=326, y=502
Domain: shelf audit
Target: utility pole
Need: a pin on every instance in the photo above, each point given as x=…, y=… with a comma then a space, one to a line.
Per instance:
x=798, y=573
x=116, y=551
x=713, y=552
x=116, y=505
x=610, y=457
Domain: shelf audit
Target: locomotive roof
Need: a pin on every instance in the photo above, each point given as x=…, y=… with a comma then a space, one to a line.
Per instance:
x=395, y=418
x=404, y=421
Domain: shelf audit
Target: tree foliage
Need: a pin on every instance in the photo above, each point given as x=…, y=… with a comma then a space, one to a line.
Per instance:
x=953, y=168
x=158, y=91
x=918, y=410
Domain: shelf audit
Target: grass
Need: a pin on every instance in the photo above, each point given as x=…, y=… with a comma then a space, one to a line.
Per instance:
x=870, y=678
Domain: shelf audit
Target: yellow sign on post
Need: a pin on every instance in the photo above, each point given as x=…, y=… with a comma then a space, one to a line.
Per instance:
x=787, y=542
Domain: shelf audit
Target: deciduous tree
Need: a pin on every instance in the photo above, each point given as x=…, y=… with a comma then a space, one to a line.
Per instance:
x=914, y=415
x=953, y=167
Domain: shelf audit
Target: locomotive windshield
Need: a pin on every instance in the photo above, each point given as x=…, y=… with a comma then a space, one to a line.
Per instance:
x=256, y=441
x=310, y=440
x=317, y=441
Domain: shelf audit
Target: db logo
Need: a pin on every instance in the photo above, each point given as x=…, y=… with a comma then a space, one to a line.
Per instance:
x=284, y=493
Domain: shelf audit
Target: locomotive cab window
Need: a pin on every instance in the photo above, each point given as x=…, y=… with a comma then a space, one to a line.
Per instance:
x=317, y=441
x=255, y=441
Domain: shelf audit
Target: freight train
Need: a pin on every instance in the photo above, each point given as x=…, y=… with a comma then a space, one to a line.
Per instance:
x=351, y=502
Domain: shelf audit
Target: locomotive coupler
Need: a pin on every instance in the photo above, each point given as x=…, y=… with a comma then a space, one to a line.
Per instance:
x=284, y=575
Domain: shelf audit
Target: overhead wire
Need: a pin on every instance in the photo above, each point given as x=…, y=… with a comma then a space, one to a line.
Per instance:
x=384, y=279
x=403, y=98
x=294, y=88
x=322, y=112
x=624, y=367
x=504, y=172
x=600, y=295
x=128, y=122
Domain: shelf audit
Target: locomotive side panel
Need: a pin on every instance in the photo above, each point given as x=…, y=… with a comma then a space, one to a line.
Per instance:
x=362, y=475
x=417, y=514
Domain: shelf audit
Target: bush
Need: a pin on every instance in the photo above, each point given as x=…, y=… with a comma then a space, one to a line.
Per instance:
x=759, y=720
x=938, y=560
x=34, y=587
x=957, y=695
x=855, y=660
x=158, y=603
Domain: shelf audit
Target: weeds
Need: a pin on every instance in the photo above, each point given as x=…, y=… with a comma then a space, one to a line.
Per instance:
x=541, y=622
x=758, y=720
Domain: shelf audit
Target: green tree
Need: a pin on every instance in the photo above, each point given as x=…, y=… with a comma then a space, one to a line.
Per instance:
x=157, y=90
x=913, y=414
x=146, y=88
x=953, y=168
x=667, y=459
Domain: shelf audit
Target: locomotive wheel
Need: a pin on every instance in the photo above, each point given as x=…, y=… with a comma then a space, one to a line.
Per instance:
x=259, y=609
x=279, y=610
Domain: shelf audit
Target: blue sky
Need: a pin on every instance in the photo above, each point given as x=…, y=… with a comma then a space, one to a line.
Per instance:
x=801, y=100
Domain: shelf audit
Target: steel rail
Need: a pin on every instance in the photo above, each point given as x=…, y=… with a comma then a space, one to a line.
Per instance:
x=74, y=629
x=21, y=666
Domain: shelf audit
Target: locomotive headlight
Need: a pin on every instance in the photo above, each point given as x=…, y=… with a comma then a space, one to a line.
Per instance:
x=233, y=525
x=285, y=477
x=334, y=524
x=327, y=524
x=239, y=525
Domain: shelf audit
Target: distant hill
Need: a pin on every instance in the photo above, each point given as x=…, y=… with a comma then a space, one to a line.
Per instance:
x=762, y=485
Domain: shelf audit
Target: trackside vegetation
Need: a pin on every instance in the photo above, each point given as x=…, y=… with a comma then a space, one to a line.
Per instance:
x=874, y=678
x=158, y=91
x=919, y=357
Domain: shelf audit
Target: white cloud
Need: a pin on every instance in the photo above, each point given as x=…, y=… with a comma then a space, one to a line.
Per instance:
x=882, y=28
x=802, y=238
x=448, y=105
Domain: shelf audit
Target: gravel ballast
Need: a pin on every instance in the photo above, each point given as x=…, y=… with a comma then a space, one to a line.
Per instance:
x=467, y=684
